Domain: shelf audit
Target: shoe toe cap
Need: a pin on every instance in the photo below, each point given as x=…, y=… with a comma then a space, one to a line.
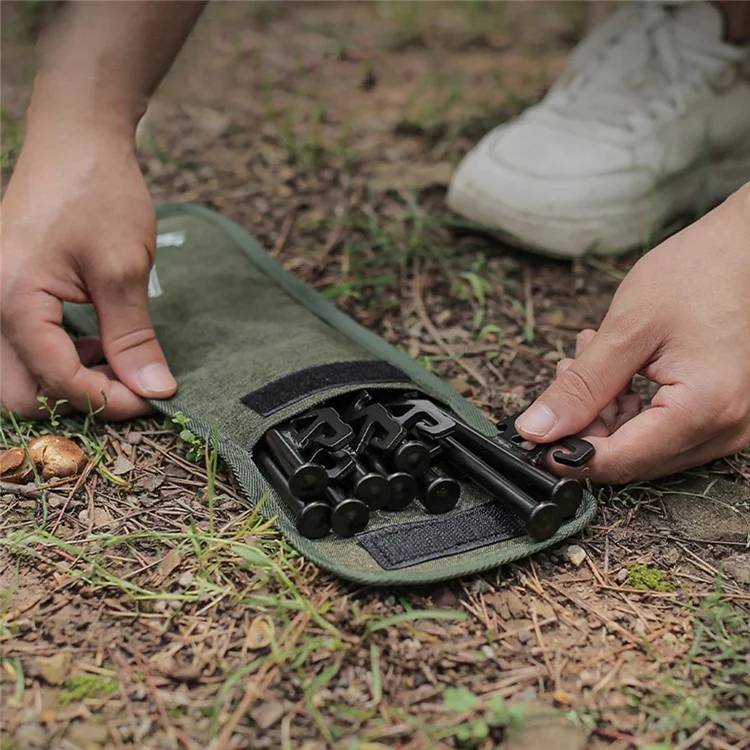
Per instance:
x=530, y=166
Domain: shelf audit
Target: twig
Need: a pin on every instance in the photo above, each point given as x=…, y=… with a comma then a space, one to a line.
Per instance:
x=286, y=229
x=433, y=331
x=77, y=486
x=542, y=646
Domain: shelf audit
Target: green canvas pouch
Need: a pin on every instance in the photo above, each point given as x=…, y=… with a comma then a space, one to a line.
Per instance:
x=252, y=346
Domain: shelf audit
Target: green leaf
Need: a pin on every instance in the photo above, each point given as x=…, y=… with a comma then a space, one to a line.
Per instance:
x=460, y=700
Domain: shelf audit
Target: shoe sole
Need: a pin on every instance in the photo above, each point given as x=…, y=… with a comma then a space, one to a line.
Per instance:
x=610, y=231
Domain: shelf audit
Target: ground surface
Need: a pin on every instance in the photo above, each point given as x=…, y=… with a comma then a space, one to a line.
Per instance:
x=146, y=606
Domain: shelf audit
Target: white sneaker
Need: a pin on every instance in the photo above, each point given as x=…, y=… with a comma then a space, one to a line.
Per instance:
x=650, y=120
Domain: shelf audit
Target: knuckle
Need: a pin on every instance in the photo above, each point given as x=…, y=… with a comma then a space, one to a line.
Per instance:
x=130, y=271
x=131, y=340
x=728, y=406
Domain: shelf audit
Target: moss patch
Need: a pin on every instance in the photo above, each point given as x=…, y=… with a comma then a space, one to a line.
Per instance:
x=648, y=579
x=83, y=686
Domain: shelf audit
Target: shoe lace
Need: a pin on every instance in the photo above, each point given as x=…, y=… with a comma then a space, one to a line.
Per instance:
x=680, y=61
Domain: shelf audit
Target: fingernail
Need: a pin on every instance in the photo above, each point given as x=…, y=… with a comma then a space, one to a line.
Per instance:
x=157, y=379
x=538, y=420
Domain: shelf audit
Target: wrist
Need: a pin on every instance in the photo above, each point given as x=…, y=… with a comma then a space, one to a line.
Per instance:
x=64, y=100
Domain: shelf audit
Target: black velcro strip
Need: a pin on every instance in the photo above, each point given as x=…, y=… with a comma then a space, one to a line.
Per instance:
x=409, y=544
x=285, y=391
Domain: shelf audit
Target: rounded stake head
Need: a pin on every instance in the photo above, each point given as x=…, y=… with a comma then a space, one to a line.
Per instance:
x=308, y=480
x=350, y=517
x=403, y=490
x=373, y=490
x=314, y=521
x=544, y=521
x=442, y=495
x=412, y=457
x=567, y=495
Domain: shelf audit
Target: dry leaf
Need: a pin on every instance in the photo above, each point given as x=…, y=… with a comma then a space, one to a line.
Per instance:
x=259, y=633
x=56, y=456
x=171, y=560
x=14, y=466
x=122, y=466
x=268, y=713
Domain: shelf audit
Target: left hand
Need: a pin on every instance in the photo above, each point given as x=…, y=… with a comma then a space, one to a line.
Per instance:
x=681, y=318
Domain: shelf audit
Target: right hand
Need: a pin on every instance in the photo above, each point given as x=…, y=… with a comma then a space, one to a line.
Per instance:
x=78, y=225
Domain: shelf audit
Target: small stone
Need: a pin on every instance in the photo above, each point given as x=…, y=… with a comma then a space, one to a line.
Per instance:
x=738, y=566
x=622, y=575
x=544, y=611
x=185, y=579
x=87, y=734
x=669, y=638
x=98, y=519
x=671, y=556
x=487, y=651
x=543, y=729
x=267, y=713
x=480, y=586
x=574, y=554
x=169, y=667
x=446, y=599
x=54, y=500
x=516, y=607
x=524, y=636
x=30, y=735
x=54, y=669
x=587, y=678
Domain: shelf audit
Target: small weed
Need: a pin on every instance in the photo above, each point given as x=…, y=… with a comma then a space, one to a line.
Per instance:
x=195, y=449
x=489, y=716
x=643, y=578
x=83, y=686
x=710, y=683
x=52, y=411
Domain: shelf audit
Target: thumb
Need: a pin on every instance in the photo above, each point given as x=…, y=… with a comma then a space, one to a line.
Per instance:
x=129, y=341
x=583, y=389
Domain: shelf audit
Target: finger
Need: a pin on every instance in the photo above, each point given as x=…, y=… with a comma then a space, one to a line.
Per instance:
x=51, y=358
x=583, y=339
x=18, y=387
x=654, y=442
x=89, y=350
x=129, y=340
x=585, y=388
x=604, y=423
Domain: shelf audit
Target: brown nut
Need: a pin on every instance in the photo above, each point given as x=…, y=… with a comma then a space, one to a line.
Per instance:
x=15, y=466
x=56, y=456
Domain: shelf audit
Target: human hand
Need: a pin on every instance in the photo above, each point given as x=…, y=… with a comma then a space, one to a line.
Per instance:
x=681, y=318
x=78, y=226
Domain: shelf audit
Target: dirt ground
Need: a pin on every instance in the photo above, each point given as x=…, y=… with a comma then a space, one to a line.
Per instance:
x=146, y=605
